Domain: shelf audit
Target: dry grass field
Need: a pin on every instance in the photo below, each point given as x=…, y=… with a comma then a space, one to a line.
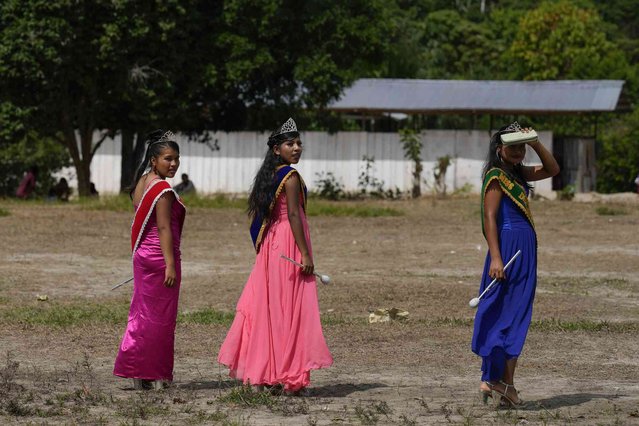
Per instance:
x=580, y=364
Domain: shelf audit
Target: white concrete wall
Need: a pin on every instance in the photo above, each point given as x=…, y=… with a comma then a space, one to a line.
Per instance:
x=232, y=168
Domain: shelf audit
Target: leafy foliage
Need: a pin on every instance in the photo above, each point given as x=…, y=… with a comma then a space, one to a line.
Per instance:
x=560, y=40
x=72, y=68
x=16, y=158
x=76, y=72
x=412, y=145
x=618, y=161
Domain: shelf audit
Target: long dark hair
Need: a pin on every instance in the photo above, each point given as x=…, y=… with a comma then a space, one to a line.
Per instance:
x=263, y=188
x=494, y=161
x=155, y=144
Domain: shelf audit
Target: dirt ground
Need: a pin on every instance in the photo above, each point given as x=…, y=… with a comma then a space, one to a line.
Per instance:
x=579, y=365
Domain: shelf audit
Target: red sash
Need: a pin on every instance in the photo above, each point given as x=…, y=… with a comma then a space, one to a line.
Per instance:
x=147, y=204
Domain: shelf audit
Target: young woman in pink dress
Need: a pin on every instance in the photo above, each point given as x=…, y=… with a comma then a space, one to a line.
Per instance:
x=146, y=351
x=276, y=337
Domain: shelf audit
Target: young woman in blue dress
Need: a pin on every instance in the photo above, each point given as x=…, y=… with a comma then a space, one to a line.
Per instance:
x=504, y=314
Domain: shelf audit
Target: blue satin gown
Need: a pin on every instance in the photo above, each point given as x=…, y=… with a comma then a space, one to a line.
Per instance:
x=505, y=312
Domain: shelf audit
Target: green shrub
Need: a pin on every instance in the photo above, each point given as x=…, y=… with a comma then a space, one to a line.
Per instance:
x=328, y=186
x=618, y=161
x=610, y=211
x=567, y=193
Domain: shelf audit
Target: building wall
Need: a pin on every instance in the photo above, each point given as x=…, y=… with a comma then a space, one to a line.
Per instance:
x=231, y=168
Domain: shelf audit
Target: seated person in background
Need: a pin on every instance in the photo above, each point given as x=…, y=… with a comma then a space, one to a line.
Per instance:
x=62, y=190
x=28, y=183
x=185, y=187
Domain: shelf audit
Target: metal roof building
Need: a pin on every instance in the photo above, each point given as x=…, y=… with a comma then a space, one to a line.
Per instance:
x=374, y=96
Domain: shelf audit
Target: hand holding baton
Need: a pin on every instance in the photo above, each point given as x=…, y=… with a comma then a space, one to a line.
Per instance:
x=325, y=279
x=474, y=302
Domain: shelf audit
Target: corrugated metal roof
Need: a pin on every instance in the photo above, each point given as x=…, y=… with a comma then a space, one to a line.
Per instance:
x=410, y=96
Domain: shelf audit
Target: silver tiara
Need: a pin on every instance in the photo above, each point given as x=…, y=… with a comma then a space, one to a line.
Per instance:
x=513, y=127
x=168, y=136
x=288, y=126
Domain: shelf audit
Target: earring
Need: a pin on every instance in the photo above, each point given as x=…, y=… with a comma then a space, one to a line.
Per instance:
x=499, y=156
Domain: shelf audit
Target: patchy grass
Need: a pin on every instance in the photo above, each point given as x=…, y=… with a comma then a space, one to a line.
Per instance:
x=610, y=211
x=583, y=285
x=206, y=317
x=4, y=212
x=122, y=203
x=114, y=203
x=218, y=201
x=80, y=314
x=325, y=208
x=547, y=325
x=553, y=325
x=65, y=315
x=246, y=396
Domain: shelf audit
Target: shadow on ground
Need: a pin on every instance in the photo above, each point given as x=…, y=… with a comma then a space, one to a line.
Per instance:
x=209, y=384
x=570, y=400
x=343, y=389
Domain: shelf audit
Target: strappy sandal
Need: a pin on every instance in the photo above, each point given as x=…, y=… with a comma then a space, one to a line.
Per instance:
x=504, y=395
x=485, y=394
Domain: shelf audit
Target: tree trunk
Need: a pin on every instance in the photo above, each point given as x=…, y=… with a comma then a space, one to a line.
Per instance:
x=127, y=166
x=417, y=179
x=132, y=153
x=84, y=171
x=84, y=177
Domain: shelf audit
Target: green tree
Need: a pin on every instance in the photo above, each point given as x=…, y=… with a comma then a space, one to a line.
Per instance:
x=618, y=161
x=456, y=48
x=58, y=70
x=560, y=40
x=74, y=69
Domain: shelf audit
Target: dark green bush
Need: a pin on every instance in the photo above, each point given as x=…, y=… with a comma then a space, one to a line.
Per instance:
x=618, y=161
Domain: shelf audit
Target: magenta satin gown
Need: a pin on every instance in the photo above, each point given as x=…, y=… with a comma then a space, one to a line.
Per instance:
x=276, y=336
x=146, y=351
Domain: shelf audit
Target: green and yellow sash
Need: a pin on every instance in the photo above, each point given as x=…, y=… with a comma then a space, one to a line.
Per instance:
x=513, y=190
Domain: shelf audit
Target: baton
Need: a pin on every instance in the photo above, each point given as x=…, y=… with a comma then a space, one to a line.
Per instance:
x=122, y=283
x=475, y=300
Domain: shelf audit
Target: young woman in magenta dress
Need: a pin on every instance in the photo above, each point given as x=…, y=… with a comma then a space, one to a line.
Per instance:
x=146, y=351
x=276, y=337
x=504, y=314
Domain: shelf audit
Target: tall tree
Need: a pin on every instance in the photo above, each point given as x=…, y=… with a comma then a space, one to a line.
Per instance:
x=76, y=67
x=560, y=40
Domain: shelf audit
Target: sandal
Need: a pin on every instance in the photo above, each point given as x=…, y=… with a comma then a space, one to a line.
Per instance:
x=504, y=395
x=484, y=393
x=499, y=396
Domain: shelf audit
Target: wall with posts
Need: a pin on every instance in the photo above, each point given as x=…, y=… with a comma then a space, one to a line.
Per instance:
x=231, y=168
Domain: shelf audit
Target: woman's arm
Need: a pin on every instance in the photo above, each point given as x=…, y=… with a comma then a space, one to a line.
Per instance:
x=163, y=218
x=292, y=188
x=548, y=168
x=492, y=200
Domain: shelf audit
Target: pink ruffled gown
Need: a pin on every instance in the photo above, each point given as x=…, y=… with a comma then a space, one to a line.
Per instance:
x=276, y=336
x=146, y=351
